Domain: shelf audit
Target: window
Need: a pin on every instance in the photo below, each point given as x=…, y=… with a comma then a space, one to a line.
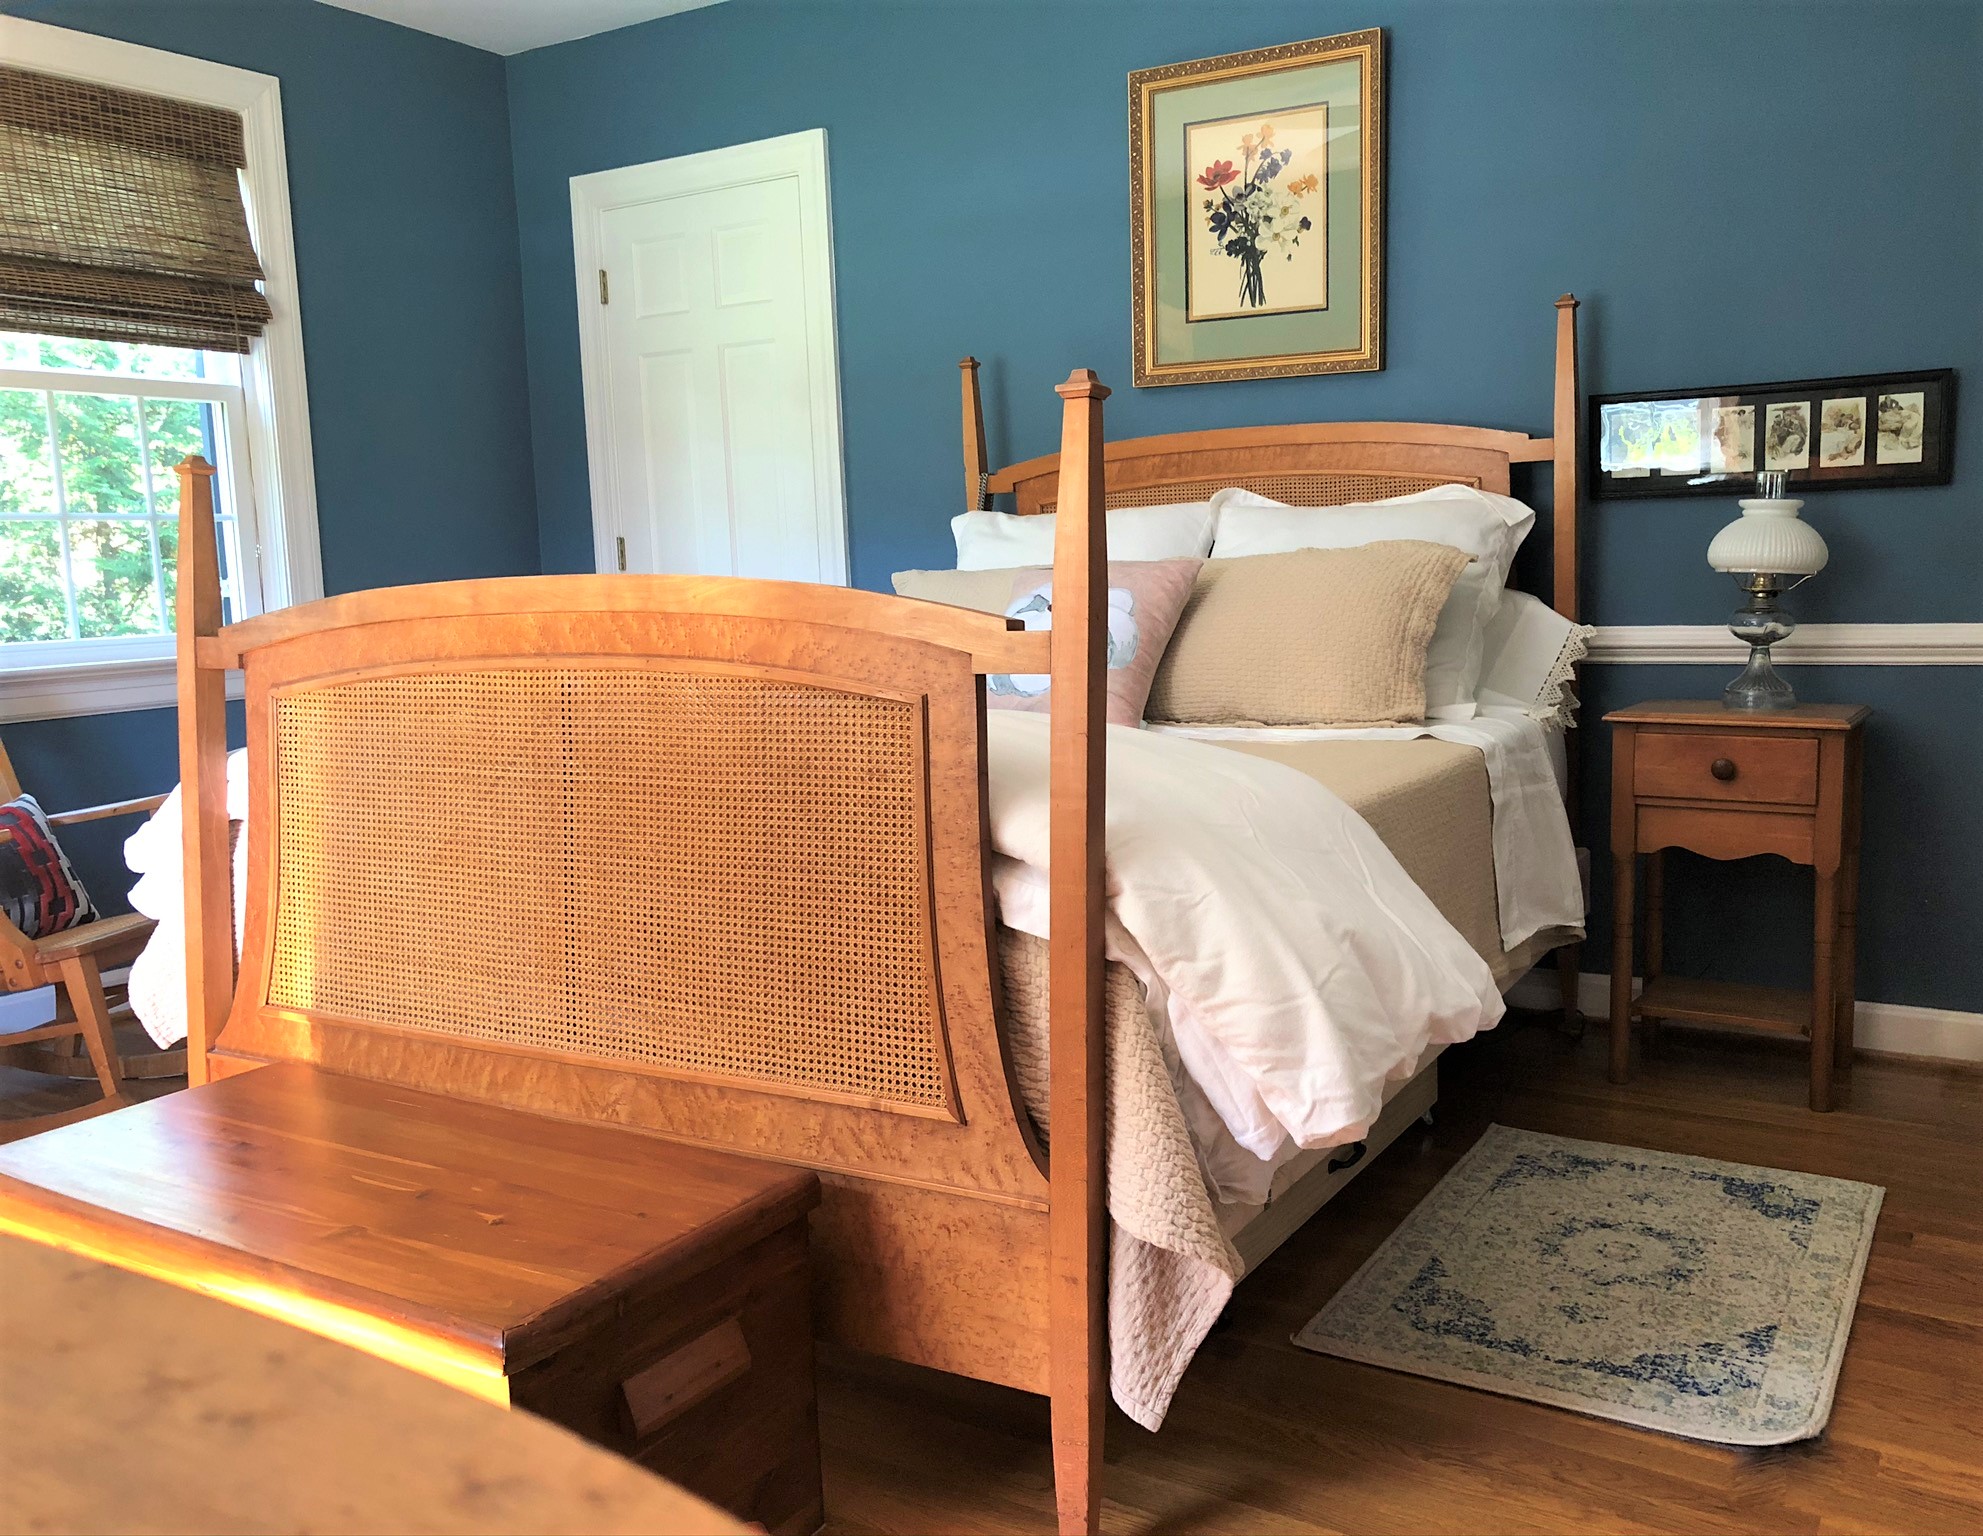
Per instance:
x=90, y=432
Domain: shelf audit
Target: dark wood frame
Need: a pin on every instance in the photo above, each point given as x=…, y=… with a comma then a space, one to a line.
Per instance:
x=1937, y=467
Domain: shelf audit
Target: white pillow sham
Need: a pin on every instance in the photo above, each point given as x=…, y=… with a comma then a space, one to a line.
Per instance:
x=1487, y=526
x=995, y=541
x=1530, y=651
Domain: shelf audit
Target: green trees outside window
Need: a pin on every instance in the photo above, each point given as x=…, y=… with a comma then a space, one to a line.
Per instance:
x=88, y=499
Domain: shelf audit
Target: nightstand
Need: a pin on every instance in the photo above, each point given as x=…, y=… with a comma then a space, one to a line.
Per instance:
x=1731, y=784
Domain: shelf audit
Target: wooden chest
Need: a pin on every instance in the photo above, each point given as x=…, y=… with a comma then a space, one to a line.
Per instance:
x=650, y=1296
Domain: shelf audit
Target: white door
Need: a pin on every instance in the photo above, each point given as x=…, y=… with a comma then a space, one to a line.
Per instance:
x=711, y=391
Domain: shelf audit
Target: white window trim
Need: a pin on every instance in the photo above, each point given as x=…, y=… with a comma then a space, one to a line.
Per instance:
x=280, y=477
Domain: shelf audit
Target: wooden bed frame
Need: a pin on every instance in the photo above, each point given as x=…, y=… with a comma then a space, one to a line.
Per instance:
x=603, y=873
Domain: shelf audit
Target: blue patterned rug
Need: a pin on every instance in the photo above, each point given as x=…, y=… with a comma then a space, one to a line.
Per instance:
x=1702, y=1298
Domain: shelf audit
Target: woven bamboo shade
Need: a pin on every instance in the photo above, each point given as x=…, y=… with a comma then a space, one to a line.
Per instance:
x=121, y=217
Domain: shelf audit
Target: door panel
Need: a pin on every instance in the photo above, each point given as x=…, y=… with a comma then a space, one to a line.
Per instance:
x=710, y=384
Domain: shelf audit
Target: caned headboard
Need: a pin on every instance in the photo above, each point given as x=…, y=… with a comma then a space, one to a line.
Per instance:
x=1313, y=464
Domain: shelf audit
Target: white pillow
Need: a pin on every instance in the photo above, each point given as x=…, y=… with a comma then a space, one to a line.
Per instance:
x=1531, y=649
x=1488, y=527
x=995, y=541
x=1485, y=525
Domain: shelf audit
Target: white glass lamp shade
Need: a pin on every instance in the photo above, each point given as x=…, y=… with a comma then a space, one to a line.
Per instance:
x=1769, y=536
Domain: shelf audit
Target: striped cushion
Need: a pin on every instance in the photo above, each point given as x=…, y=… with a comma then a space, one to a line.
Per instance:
x=39, y=890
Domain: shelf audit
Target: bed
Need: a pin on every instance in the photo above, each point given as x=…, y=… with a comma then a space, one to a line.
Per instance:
x=527, y=749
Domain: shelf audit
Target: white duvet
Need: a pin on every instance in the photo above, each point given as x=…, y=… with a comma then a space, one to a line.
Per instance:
x=1297, y=965
x=1291, y=956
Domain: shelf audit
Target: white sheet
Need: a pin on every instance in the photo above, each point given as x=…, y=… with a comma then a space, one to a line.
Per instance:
x=1535, y=856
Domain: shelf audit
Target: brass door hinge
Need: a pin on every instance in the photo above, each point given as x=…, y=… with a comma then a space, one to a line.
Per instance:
x=621, y=545
x=602, y=287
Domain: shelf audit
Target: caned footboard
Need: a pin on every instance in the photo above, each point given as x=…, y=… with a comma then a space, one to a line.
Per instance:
x=706, y=858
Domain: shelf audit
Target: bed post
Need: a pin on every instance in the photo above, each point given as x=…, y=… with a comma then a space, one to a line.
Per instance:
x=1569, y=416
x=1077, y=1220
x=976, y=464
x=1564, y=450
x=203, y=773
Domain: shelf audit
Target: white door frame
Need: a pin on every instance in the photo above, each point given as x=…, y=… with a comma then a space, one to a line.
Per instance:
x=800, y=155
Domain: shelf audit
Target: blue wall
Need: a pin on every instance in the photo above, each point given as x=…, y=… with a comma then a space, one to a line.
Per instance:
x=405, y=226
x=1738, y=191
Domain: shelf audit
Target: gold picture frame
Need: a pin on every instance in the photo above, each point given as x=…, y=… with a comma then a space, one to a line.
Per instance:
x=1285, y=275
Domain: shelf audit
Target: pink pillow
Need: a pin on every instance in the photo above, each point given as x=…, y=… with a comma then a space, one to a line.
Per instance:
x=1145, y=599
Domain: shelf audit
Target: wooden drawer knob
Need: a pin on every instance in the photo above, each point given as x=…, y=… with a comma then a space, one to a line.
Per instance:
x=1722, y=768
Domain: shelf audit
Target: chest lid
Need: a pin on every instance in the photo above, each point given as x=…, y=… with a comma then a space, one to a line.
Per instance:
x=494, y=1234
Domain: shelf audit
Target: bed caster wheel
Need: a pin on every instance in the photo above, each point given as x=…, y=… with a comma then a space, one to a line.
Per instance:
x=1429, y=1119
x=1570, y=1023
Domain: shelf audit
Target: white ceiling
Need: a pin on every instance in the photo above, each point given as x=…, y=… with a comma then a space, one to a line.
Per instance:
x=516, y=26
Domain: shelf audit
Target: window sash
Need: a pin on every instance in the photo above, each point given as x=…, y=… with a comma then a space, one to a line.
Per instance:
x=235, y=520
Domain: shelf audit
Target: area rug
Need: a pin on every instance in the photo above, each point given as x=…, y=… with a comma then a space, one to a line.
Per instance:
x=1702, y=1298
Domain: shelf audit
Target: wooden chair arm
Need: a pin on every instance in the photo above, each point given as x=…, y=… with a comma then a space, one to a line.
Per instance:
x=145, y=805
x=94, y=938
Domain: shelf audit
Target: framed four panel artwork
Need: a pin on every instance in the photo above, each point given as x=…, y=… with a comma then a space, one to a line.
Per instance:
x=1863, y=429
x=1257, y=213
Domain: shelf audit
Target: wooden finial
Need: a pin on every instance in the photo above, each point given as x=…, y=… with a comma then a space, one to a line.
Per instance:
x=1568, y=301
x=976, y=462
x=1082, y=384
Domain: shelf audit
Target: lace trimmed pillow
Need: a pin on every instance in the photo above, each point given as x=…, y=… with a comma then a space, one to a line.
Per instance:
x=1531, y=655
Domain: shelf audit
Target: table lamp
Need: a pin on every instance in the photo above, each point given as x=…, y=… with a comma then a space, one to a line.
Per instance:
x=1768, y=550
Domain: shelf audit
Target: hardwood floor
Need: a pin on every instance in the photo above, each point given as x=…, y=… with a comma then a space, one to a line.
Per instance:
x=1264, y=1437
x=1267, y=1438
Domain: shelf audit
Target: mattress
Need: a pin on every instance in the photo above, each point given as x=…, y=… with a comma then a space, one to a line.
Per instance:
x=1429, y=801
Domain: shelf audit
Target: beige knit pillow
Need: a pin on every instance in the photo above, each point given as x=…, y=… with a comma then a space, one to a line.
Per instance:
x=1311, y=637
x=986, y=591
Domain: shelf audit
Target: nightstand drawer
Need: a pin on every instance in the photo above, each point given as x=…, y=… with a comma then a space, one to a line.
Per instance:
x=1773, y=770
x=1726, y=834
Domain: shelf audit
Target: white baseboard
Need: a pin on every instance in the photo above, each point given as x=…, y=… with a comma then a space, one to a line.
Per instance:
x=1898, y=1029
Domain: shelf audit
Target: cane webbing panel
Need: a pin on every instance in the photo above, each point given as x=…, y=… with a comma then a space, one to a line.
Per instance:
x=1297, y=490
x=698, y=872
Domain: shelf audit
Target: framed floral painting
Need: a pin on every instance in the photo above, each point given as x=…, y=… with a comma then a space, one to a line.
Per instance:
x=1256, y=189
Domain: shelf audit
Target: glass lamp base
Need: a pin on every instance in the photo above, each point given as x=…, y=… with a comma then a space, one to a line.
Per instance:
x=1759, y=686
